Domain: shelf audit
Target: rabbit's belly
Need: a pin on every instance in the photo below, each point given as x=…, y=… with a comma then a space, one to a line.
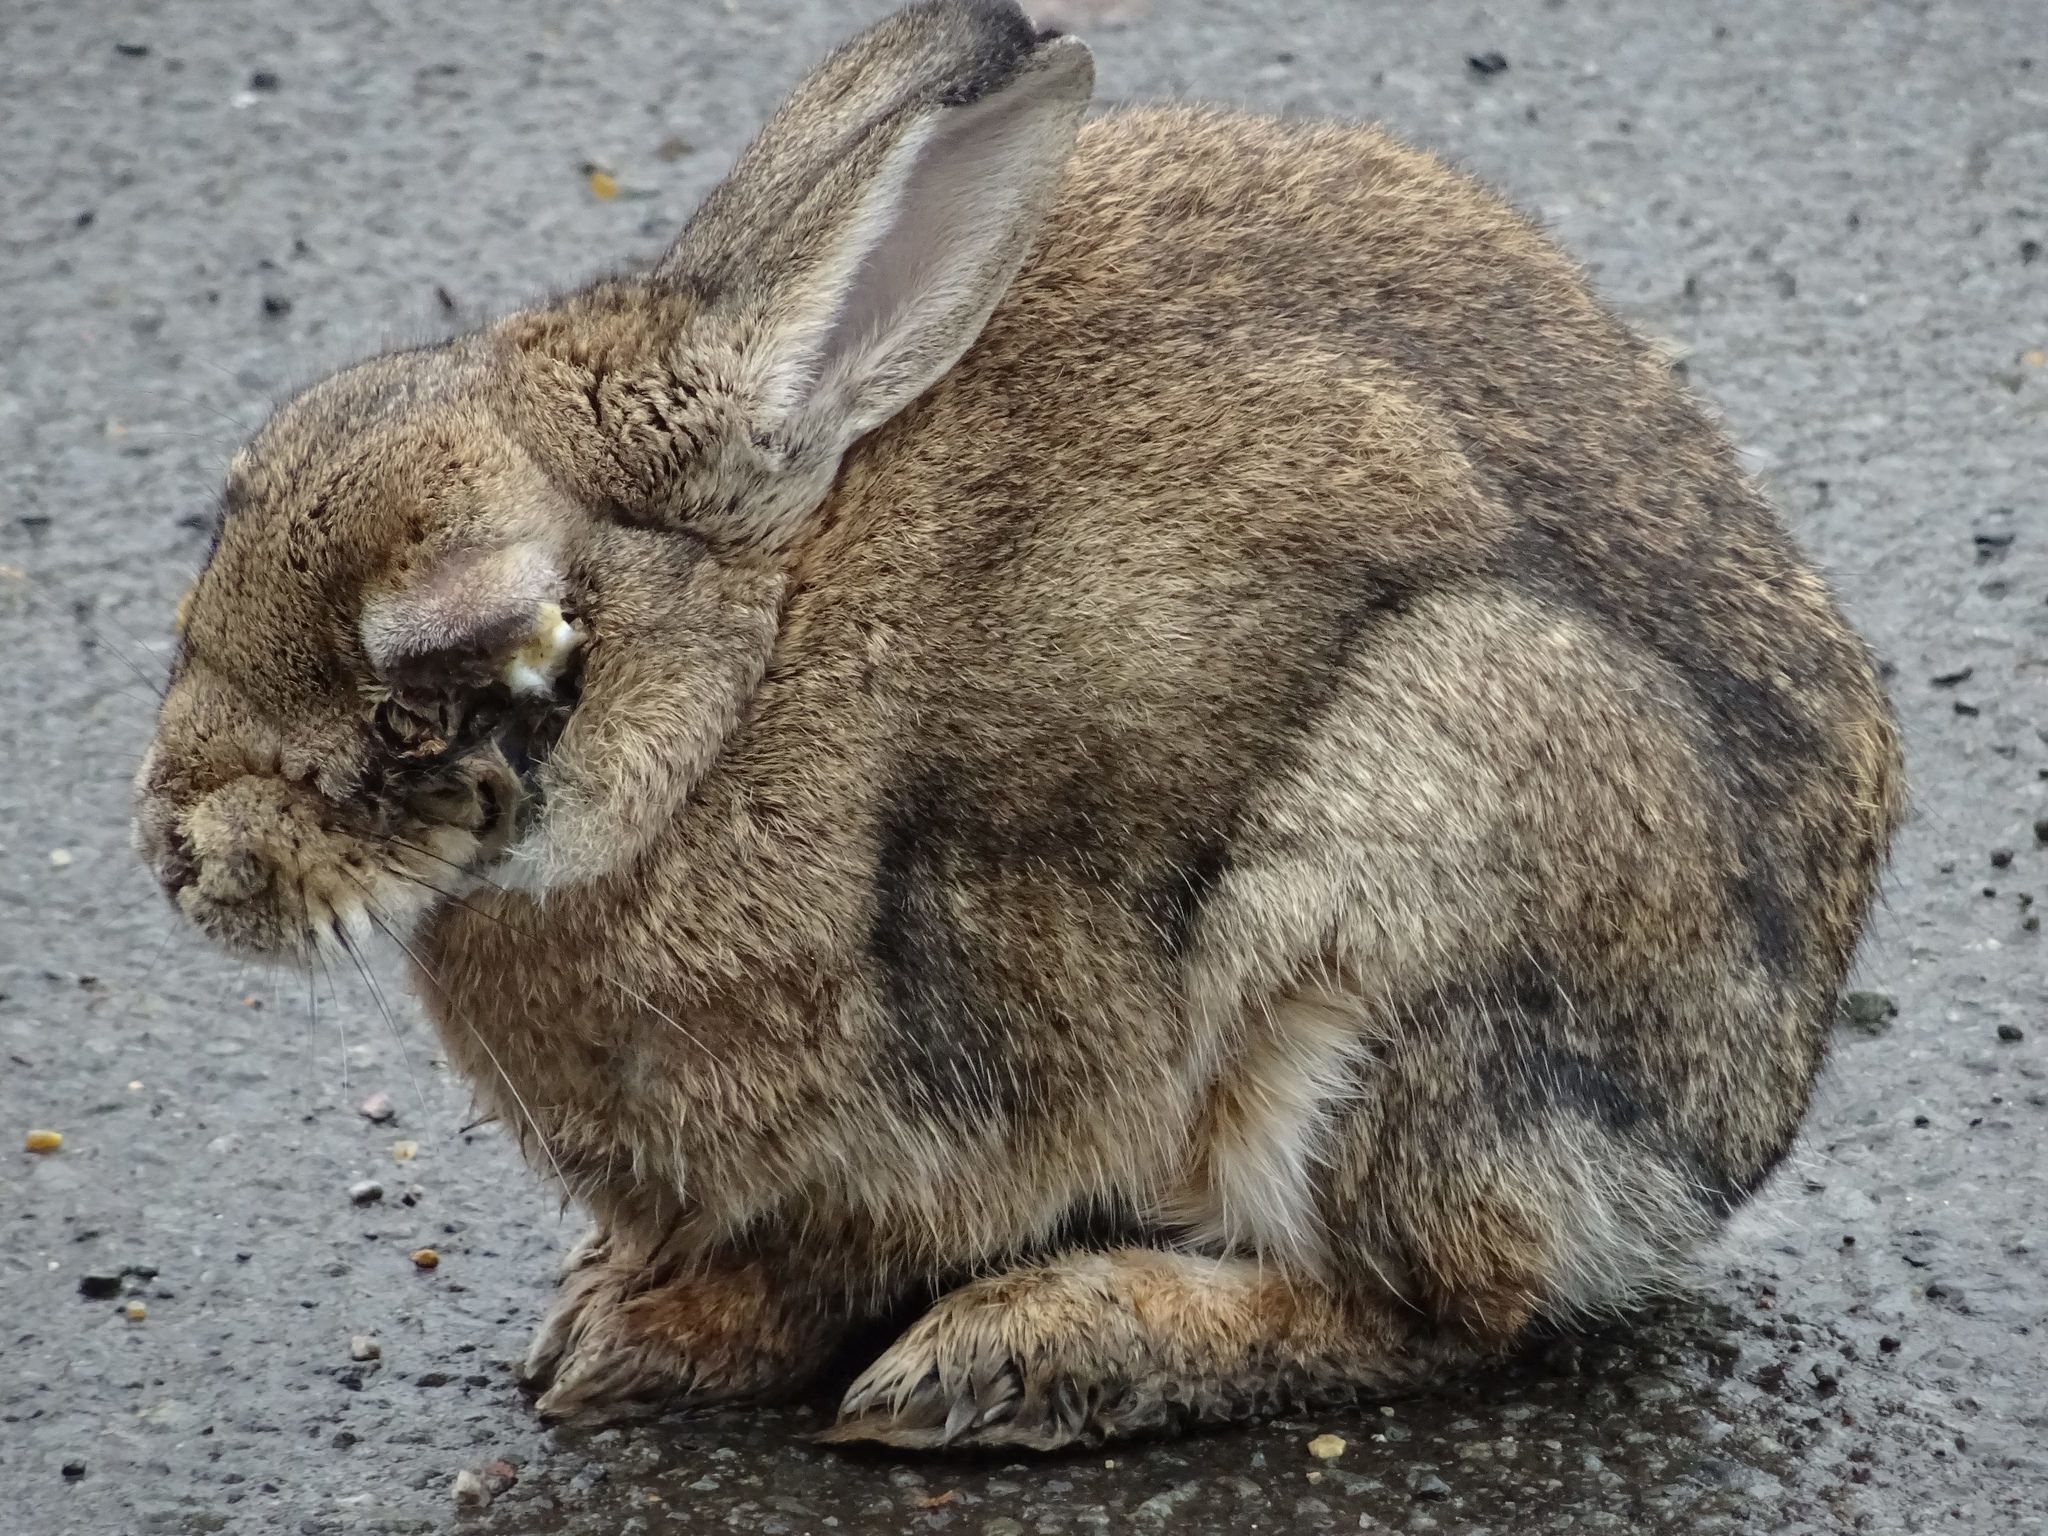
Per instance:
x=814, y=1109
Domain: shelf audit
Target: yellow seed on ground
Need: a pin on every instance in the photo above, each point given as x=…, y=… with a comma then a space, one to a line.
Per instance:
x=1326, y=1447
x=426, y=1258
x=404, y=1151
x=43, y=1141
x=135, y=1311
x=603, y=186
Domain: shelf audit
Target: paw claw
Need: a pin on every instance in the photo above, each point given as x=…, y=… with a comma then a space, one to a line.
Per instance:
x=953, y=1380
x=609, y=1385
x=570, y=1318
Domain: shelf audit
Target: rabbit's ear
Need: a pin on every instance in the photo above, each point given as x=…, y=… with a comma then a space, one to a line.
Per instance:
x=470, y=619
x=861, y=243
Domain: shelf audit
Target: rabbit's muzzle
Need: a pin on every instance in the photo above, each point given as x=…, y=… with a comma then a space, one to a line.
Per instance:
x=270, y=868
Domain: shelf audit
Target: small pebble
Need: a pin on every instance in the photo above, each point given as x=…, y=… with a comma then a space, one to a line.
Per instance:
x=363, y=1347
x=365, y=1192
x=43, y=1141
x=470, y=1492
x=2011, y=1033
x=1869, y=1012
x=426, y=1258
x=1991, y=546
x=2001, y=858
x=500, y=1475
x=73, y=1471
x=1326, y=1447
x=276, y=305
x=1427, y=1485
x=100, y=1287
x=60, y=858
x=378, y=1109
x=2041, y=829
x=1488, y=63
x=135, y=1312
x=404, y=1151
x=263, y=80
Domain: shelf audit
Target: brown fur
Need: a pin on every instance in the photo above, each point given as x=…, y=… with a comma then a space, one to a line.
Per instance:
x=1302, y=742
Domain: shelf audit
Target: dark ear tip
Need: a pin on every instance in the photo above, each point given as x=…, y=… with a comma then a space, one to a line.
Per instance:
x=1047, y=35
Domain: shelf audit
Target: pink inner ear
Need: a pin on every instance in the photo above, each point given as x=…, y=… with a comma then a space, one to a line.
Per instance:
x=455, y=620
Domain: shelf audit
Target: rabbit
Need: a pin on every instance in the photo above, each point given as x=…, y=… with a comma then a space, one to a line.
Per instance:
x=1154, y=734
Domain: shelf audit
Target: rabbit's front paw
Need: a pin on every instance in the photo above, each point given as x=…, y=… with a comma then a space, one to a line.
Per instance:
x=1092, y=1346
x=1041, y=1358
x=624, y=1337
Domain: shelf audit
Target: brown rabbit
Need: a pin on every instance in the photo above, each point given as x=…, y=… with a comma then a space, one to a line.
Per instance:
x=1178, y=675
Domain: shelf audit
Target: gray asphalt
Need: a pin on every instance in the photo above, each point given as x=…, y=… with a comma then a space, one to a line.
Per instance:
x=1838, y=206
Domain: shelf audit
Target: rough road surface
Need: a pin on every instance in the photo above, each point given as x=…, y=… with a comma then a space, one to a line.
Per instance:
x=1838, y=206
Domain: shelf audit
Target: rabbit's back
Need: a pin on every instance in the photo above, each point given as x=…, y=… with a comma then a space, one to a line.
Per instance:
x=1304, y=576
x=1265, y=386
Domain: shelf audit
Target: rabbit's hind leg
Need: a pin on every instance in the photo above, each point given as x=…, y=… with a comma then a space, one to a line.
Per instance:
x=1465, y=1173
x=1498, y=1172
x=1090, y=1346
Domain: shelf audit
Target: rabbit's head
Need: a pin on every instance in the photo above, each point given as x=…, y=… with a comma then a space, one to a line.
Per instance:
x=436, y=571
